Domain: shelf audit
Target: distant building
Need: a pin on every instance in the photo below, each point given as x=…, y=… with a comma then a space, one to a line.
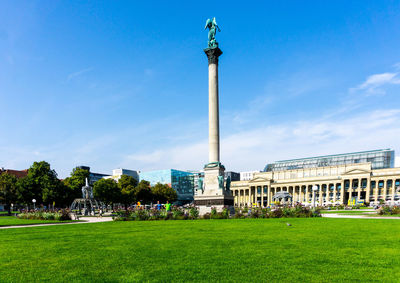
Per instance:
x=234, y=176
x=245, y=176
x=379, y=159
x=181, y=181
x=16, y=173
x=117, y=173
x=349, y=179
x=93, y=177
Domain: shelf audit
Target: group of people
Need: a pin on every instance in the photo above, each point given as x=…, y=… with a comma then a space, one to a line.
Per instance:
x=160, y=206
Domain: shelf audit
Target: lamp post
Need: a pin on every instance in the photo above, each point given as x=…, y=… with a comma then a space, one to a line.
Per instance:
x=314, y=189
x=34, y=204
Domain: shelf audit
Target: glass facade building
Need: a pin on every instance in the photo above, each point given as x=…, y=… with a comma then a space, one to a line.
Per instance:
x=93, y=177
x=181, y=181
x=379, y=159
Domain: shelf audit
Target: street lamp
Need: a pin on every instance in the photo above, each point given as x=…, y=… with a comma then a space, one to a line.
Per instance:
x=34, y=202
x=314, y=189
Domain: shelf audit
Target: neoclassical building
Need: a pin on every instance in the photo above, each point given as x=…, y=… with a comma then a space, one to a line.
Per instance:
x=336, y=184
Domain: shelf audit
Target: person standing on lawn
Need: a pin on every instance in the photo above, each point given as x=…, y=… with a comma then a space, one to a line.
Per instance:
x=168, y=206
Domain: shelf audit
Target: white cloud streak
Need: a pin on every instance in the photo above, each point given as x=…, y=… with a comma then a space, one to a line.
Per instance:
x=78, y=73
x=252, y=149
x=374, y=83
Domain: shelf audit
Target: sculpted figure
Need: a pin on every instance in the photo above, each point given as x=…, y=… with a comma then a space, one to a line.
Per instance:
x=213, y=27
x=200, y=184
x=221, y=182
x=228, y=183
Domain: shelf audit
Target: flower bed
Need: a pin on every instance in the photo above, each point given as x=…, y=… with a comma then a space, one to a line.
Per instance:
x=61, y=215
x=388, y=210
x=193, y=213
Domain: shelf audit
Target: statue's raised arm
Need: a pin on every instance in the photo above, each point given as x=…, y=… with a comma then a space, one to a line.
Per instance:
x=213, y=27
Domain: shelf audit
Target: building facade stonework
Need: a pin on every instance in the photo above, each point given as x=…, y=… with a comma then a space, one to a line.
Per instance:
x=336, y=185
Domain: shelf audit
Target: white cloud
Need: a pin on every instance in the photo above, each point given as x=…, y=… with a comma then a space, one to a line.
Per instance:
x=374, y=83
x=78, y=73
x=252, y=149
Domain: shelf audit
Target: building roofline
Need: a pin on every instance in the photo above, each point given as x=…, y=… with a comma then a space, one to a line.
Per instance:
x=331, y=155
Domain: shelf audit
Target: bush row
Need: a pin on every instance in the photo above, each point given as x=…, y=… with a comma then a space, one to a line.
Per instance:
x=193, y=213
x=61, y=215
x=388, y=210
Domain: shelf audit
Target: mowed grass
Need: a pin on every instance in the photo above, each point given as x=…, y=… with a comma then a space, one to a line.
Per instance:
x=243, y=250
x=12, y=220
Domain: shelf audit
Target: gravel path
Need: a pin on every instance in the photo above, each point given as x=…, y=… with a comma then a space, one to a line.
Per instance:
x=83, y=220
x=333, y=215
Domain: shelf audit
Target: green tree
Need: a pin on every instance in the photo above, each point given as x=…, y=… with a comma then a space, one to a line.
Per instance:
x=8, y=190
x=143, y=192
x=41, y=184
x=127, y=185
x=107, y=191
x=163, y=193
x=25, y=192
x=75, y=182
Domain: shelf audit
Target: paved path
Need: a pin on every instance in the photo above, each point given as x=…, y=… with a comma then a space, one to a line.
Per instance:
x=84, y=220
x=334, y=215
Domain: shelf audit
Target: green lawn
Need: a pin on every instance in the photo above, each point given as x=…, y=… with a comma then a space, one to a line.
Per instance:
x=243, y=250
x=6, y=212
x=12, y=220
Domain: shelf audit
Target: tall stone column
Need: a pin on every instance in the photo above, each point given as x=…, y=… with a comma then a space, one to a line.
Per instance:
x=262, y=197
x=269, y=195
x=350, y=191
x=213, y=104
x=376, y=191
x=384, y=189
x=216, y=193
x=342, y=192
x=393, y=190
x=320, y=194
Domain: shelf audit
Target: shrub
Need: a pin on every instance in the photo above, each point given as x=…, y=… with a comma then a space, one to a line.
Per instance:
x=141, y=215
x=213, y=213
x=255, y=213
x=169, y=216
x=194, y=212
x=178, y=214
x=207, y=216
x=276, y=213
x=388, y=210
x=238, y=215
x=396, y=210
x=62, y=215
x=225, y=213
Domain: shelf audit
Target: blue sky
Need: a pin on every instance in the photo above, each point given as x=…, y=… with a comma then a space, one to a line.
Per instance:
x=124, y=83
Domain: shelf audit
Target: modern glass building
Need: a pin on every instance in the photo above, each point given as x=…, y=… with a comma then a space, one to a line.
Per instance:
x=379, y=159
x=181, y=181
x=93, y=177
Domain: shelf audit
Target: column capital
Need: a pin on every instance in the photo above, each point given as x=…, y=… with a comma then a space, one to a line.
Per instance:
x=212, y=54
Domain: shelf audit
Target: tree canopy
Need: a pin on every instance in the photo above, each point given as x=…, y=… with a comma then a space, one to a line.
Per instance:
x=127, y=185
x=8, y=190
x=75, y=183
x=163, y=193
x=107, y=191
